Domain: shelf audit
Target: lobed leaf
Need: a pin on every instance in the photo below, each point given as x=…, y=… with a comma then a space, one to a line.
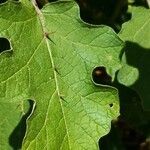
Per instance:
x=52, y=58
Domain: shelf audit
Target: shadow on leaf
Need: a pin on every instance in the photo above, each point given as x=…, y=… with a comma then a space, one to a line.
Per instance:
x=130, y=130
x=139, y=57
x=16, y=137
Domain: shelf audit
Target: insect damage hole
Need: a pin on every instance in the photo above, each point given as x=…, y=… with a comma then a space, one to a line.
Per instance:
x=100, y=76
x=111, y=105
x=4, y=44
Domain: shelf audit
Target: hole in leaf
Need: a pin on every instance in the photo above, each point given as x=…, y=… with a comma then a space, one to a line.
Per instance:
x=111, y=104
x=16, y=137
x=4, y=44
x=100, y=76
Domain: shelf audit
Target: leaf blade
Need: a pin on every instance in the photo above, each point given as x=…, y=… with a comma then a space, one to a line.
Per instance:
x=61, y=113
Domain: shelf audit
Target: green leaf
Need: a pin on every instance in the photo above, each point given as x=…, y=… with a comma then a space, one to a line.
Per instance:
x=138, y=28
x=135, y=71
x=51, y=62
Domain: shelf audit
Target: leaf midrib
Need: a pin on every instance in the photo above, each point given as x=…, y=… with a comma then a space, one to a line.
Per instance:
x=42, y=22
